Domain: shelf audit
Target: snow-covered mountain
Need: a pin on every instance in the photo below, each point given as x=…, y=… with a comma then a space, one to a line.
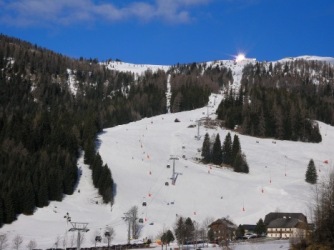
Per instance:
x=138, y=155
x=236, y=66
x=309, y=58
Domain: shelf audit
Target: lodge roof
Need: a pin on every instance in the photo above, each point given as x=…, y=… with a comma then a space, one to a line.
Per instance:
x=277, y=215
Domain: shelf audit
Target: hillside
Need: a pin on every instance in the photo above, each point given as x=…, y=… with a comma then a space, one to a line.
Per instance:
x=138, y=154
x=57, y=111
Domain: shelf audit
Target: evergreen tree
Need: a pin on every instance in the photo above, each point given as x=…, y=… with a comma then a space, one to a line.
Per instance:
x=240, y=164
x=236, y=148
x=311, y=175
x=211, y=235
x=163, y=240
x=180, y=231
x=96, y=167
x=106, y=187
x=42, y=192
x=240, y=232
x=217, y=151
x=260, y=227
x=227, y=150
x=1, y=212
x=54, y=184
x=189, y=230
x=9, y=210
x=169, y=237
x=261, y=128
x=206, y=149
x=29, y=198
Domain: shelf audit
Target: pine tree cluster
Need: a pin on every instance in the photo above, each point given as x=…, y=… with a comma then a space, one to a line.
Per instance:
x=101, y=174
x=184, y=230
x=229, y=153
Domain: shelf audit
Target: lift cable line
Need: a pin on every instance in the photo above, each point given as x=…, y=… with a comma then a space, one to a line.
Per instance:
x=80, y=227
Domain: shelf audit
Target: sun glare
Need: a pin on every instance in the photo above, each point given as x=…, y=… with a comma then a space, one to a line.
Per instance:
x=240, y=57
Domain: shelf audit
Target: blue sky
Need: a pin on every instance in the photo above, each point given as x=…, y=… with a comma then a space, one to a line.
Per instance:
x=173, y=31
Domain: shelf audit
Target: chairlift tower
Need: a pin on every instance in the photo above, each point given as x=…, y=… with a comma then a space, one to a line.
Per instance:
x=80, y=227
x=174, y=174
x=127, y=218
x=198, y=137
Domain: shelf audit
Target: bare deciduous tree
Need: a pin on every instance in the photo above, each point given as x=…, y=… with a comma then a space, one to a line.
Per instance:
x=17, y=242
x=57, y=241
x=32, y=245
x=205, y=228
x=323, y=210
x=132, y=219
x=3, y=241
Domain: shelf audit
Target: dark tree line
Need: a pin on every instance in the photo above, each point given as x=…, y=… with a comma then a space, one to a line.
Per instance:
x=282, y=101
x=101, y=174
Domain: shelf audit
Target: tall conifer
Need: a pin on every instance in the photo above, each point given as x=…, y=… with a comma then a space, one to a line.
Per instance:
x=206, y=149
x=217, y=151
x=236, y=148
x=311, y=175
x=227, y=150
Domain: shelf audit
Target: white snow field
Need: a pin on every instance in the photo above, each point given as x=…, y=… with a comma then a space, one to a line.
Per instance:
x=138, y=154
